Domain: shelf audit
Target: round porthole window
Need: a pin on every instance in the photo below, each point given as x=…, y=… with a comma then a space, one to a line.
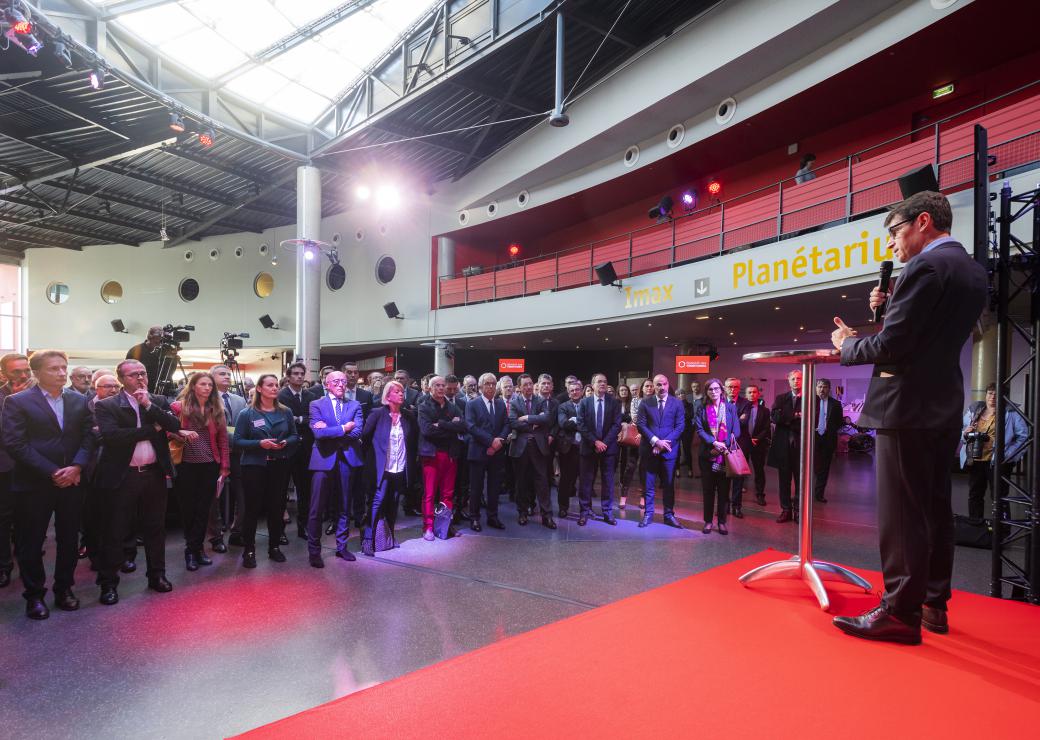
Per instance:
x=725, y=112
x=631, y=156
x=263, y=285
x=523, y=198
x=57, y=293
x=386, y=268
x=675, y=135
x=336, y=277
x=111, y=291
x=188, y=290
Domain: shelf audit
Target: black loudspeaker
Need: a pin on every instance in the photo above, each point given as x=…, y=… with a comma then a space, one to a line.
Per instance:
x=917, y=181
x=117, y=325
x=267, y=322
x=606, y=273
x=391, y=311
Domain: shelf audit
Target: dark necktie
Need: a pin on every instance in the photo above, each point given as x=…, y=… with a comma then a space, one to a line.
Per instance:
x=660, y=404
x=528, y=406
x=337, y=409
x=599, y=417
x=227, y=408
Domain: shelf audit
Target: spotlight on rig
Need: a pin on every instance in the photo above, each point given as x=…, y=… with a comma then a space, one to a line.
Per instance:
x=20, y=30
x=176, y=122
x=206, y=137
x=97, y=78
x=663, y=210
x=689, y=200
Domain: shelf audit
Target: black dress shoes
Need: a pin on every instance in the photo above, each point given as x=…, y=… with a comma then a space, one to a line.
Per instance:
x=249, y=559
x=582, y=519
x=785, y=516
x=474, y=524
x=671, y=521
x=5, y=578
x=203, y=558
x=495, y=523
x=564, y=514
x=160, y=584
x=331, y=528
x=301, y=533
x=760, y=499
x=36, y=609
x=880, y=624
x=316, y=561
x=345, y=555
x=645, y=521
x=706, y=529
x=218, y=546
x=66, y=600
x=738, y=512
x=109, y=595
x=722, y=528
x=283, y=540
x=276, y=555
x=934, y=620
x=548, y=521
x=128, y=567
x=522, y=520
x=609, y=519
x=235, y=540
x=190, y=563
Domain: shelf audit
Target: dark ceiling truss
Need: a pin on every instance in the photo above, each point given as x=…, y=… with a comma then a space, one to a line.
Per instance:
x=42, y=223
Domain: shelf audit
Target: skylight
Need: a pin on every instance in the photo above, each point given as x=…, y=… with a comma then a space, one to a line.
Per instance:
x=220, y=40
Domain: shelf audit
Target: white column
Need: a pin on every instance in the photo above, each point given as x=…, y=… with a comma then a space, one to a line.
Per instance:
x=308, y=271
x=444, y=357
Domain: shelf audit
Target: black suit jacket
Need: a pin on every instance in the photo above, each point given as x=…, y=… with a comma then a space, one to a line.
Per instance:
x=567, y=411
x=535, y=430
x=763, y=428
x=587, y=424
x=117, y=424
x=301, y=412
x=835, y=417
x=917, y=381
x=35, y=441
x=743, y=407
x=787, y=435
x=484, y=429
x=376, y=438
x=366, y=399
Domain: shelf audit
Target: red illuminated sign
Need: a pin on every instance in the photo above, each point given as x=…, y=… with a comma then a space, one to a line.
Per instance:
x=388, y=363
x=510, y=366
x=692, y=363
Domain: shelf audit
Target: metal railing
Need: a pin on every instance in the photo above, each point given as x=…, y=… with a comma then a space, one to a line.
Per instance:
x=846, y=188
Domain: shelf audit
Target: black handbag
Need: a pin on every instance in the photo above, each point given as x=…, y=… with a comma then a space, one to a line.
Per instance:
x=379, y=541
x=442, y=521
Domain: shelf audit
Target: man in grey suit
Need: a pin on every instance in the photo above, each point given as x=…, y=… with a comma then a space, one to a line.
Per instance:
x=233, y=494
x=661, y=420
x=529, y=417
x=914, y=400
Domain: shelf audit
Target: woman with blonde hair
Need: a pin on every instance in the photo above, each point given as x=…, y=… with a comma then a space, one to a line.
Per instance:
x=202, y=445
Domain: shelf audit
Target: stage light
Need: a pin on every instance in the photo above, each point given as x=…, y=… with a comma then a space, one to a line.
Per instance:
x=20, y=31
x=267, y=322
x=363, y=192
x=206, y=137
x=387, y=197
x=689, y=200
x=61, y=50
x=607, y=274
x=663, y=210
x=714, y=188
x=514, y=251
x=22, y=27
x=308, y=254
x=97, y=78
x=176, y=122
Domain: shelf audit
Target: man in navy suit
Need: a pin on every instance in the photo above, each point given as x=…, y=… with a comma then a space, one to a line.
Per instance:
x=336, y=458
x=14, y=367
x=660, y=420
x=914, y=400
x=529, y=417
x=599, y=422
x=488, y=423
x=743, y=406
x=48, y=432
x=568, y=444
x=829, y=416
x=293, y=397
x=761, y=432
x=351, y=392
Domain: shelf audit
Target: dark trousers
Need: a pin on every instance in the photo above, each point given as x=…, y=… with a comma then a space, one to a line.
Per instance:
x=337, y=483
x=735, y=488
x=264, y=486
x=757, y=461
x=605, y=464
x=823, y=455
x=716, y=487
x=915, y=517
x=94, y=521
x=140, y=501
x=196, y=490
x=485, y=475
x=687, y=449
x=33, y=511
x=509, y=477
x=6, y=523
x=462, y=484
x=382, y=502
x=568, y=487
x=628, y=462
x=786, y=475
x=531, y=482
x=300, y=474
x=663, y=470
x=234, y=500
x=980, y=480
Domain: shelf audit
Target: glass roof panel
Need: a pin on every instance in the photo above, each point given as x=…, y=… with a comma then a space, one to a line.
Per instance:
x=314, y=66
x=204, y=51
x=258, y=84
x=298, y=102
x=301, y=13
x=160, y=24
x=247, y=24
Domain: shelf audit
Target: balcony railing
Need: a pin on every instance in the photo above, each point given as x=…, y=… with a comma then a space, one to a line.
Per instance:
x=842, y=190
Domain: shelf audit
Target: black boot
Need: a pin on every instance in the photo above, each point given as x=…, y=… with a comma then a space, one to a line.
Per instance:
x=190, y=563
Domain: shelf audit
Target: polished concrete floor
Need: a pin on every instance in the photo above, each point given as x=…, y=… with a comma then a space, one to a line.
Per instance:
x=230, y=649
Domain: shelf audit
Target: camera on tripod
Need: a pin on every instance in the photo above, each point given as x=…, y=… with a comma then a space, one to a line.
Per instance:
x=172, y=336
x=231, y=342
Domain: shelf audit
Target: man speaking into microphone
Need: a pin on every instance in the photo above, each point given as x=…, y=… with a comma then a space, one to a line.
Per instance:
x=914, y=400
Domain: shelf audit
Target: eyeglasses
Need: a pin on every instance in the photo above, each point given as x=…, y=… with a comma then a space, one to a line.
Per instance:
x=107, y=387
x=895, y=227
x=338, y=381
x=137, y=374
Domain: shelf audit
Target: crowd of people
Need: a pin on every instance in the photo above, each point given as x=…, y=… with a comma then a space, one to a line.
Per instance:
x=103, y=455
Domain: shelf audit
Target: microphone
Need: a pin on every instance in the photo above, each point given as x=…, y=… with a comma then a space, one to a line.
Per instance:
x=884, y=277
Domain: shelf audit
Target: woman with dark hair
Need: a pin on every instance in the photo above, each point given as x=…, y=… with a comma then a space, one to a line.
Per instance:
x=203, y=440
x=646, y=390
x=266, y=434
x=389, y=439
x=715, y=420
x=628, y=457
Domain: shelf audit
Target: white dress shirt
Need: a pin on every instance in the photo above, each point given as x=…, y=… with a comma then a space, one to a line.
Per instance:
x=144, y=453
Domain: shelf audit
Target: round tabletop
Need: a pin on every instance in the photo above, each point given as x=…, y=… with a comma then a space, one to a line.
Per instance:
x=792, y=356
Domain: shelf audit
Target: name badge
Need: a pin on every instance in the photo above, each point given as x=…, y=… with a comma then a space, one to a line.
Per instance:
x=258, y=423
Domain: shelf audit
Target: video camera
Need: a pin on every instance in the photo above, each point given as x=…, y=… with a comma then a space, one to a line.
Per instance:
x=231, y=342
x=172, y=336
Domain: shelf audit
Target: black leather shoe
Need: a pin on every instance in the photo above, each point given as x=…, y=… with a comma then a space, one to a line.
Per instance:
x=331, y=528
x=235, y=540
x=128, y=567
x=722, y=528
x=706, y=529
x=474, y=524
x=36, y=609
x=879, y=624
x=66, y=600
x=345, y=555
x=249, y=559
x=283, y=540
x=609, y=519
x=548, y=521
x=522, y=520
x=276, y=555
x=738, y=512
x=495, y=523
x=190, y=563
x=934, y=620
x=785, y=516
x=564, y=514
x=109, y=595
x=218, y=546
x=671, y=521
x=5, y=578
x=645, y=521
x=316, y=561
x=760, y=500
x=582, y=519
x=203, y=558
x=301, y=533
x=160, y=584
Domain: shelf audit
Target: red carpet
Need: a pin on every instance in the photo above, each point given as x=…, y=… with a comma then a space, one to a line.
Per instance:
x=718, y=659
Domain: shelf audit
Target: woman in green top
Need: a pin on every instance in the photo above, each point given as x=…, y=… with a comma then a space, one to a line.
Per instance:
x=266, y=434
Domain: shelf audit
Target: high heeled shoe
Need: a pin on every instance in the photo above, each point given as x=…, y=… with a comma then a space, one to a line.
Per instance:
x=622, y=502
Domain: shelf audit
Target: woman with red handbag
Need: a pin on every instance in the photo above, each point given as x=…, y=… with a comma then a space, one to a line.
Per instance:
x=718, y=427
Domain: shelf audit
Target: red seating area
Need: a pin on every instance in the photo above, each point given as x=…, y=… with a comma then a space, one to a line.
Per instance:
x=864, y=182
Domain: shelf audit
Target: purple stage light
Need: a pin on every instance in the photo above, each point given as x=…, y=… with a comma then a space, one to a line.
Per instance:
x=308, y=254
